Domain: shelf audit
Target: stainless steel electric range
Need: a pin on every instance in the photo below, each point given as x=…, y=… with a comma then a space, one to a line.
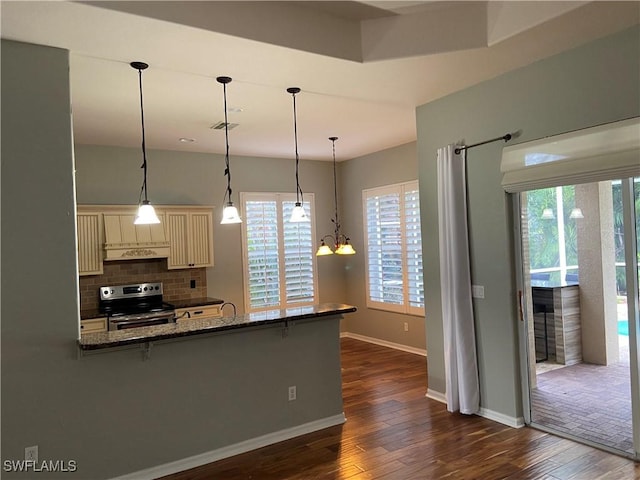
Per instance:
x=137, y=305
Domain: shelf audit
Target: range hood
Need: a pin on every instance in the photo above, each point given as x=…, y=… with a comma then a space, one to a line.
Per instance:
x=126, y=241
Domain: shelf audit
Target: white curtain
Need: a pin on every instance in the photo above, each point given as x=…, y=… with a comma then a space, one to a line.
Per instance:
x=461, y=365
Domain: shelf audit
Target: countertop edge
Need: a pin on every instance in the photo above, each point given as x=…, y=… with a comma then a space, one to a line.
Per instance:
x=100, y=341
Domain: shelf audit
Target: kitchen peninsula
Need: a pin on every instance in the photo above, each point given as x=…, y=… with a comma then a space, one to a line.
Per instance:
x=198, y=327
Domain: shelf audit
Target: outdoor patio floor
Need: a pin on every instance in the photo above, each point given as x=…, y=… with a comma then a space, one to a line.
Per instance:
x=588, y=401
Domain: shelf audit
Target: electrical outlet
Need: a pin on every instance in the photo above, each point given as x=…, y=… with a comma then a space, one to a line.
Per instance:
x=193, y=284
x=31, y=454
x=406, y=326
x=292, y=393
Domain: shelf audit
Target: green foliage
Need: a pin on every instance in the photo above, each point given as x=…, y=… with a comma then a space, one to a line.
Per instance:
x=544, y=238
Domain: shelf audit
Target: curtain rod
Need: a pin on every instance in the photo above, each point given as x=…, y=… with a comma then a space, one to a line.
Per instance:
x=506, y=138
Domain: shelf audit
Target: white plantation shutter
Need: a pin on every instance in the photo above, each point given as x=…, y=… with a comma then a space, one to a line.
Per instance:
x=262, y=253
x=298, y=256
x=384, y=251
x=413, y=249
x=279, y=264
x=394, y=248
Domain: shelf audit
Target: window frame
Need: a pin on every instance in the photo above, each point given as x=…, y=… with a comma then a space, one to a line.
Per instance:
x=400, y=189
x=280, y=199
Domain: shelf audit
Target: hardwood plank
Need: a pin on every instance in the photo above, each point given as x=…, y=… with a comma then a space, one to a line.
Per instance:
x=393, y=432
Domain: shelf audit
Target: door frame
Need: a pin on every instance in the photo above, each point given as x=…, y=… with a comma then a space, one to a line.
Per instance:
x=631, y=261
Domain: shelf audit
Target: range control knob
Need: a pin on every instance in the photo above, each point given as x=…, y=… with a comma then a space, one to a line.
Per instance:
x=105, y=292
x=145, y=289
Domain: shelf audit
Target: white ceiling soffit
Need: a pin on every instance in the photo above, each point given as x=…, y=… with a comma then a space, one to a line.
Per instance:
x=269, y=46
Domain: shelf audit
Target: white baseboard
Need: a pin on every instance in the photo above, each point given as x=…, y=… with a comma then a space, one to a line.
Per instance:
x=384, y=343
x=484, y=412
x=438, y=396
x=231, y=450
x=515, y=422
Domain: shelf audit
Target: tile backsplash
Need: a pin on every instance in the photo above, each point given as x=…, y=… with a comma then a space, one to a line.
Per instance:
x=176, y=283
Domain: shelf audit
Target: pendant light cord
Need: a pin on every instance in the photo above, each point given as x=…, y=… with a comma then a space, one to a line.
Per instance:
x=227, y=169
x=144, y=149
x=299, y=195
x=335, y=191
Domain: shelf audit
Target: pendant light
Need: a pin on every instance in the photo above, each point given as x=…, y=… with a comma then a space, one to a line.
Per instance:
x=576, y=213
x=547, y=214
x=298, y=214
x=341, y=242
x=146, y=213
x=230, y=213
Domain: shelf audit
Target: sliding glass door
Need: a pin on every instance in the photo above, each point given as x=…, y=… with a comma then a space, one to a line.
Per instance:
x=580, y=293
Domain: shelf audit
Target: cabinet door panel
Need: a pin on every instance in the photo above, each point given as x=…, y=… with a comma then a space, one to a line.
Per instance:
x=201, y=240
x=89, y=244
x=177, y=232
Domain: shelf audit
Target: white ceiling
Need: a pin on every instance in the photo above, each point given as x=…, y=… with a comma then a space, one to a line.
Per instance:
x=363, y=67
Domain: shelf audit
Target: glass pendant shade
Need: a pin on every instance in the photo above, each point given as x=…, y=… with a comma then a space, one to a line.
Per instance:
x=298, y=214
x=146, y=214
x=547, y=214
x=230, y=215
x=576, y=213
x=324, y=249
x=345, y=249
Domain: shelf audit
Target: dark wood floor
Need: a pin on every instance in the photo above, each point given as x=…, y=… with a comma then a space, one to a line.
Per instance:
x=394, y=432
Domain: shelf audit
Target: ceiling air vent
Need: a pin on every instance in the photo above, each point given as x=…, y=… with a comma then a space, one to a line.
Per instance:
x=220, y=126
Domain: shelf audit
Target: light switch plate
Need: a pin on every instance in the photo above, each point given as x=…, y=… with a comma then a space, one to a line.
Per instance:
x=477, y=291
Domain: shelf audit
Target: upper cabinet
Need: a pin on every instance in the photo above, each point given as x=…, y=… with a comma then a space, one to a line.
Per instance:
x=90, y=242
x=190, y=234
x=106, y=232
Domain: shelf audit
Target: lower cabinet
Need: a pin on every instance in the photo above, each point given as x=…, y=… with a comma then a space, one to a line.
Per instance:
x=93, y=325
x=193, y=313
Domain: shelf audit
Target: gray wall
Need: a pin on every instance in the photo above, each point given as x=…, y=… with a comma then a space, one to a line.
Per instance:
x=197, y=178
x=394, y=165
x=114, y=413
x=593, y=84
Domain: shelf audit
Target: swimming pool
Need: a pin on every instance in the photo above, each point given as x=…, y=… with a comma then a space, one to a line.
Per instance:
x=623, y=327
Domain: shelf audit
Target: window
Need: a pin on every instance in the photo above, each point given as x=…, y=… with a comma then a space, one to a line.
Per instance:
x=394, y=248
x=279, y=264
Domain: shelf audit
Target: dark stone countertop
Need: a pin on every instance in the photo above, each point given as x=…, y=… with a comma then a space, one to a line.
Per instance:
x=118, y=338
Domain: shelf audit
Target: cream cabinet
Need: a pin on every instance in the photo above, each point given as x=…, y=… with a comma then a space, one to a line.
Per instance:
x=190, y=235
x=107, y=232
x=193, y=313
x=90, y=242
x=93, y=325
